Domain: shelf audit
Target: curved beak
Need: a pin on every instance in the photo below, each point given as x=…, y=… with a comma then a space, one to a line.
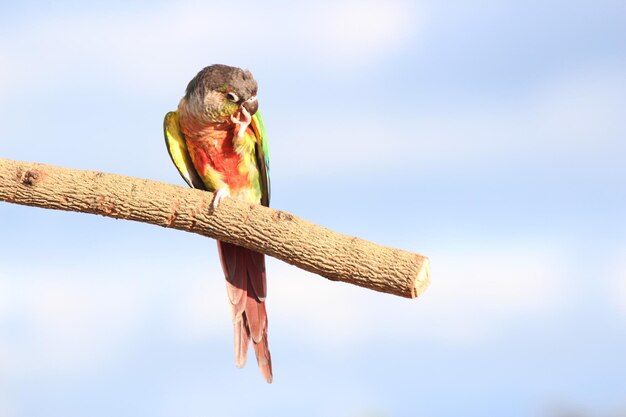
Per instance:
x=251, y=104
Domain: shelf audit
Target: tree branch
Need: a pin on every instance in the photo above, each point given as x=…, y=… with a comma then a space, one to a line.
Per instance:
x=273, y=232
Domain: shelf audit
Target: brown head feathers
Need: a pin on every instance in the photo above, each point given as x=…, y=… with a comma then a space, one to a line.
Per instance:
x=223, y=78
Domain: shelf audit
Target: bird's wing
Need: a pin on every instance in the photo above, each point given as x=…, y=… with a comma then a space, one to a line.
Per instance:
x=262, y=156
x=177, y=149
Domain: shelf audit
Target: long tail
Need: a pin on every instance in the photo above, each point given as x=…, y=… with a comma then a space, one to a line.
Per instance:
x=245, y=282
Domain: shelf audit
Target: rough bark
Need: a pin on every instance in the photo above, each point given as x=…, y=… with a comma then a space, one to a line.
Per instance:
x=273, y=232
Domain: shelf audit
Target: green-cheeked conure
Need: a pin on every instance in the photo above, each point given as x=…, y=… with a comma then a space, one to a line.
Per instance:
x=217, y=141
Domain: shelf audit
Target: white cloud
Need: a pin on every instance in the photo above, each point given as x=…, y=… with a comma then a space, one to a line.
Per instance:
x=146, y=49
x=350, y=32
x=58, y=322
x=75, y=319
x=5, y=410
x=201, y=308
x=575, y=117
x=476, y=292
x=65, y=322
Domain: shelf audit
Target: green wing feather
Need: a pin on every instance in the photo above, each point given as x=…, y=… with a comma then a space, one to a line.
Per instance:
x=177, y=149
x=262, y=157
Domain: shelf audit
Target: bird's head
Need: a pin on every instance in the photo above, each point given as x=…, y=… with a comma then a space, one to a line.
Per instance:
x=220, y=92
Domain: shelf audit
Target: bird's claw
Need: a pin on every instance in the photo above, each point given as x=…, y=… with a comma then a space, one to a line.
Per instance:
x=241, y=123
x=220, y=195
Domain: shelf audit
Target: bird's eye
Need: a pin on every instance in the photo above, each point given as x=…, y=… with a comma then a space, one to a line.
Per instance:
x=232, y=97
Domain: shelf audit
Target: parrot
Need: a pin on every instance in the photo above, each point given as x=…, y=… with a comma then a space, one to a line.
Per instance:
x=217, y=141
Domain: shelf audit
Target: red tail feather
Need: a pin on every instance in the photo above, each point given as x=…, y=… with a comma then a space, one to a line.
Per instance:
x=245, y=283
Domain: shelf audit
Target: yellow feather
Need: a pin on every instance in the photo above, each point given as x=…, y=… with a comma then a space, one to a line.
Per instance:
x=178, y=150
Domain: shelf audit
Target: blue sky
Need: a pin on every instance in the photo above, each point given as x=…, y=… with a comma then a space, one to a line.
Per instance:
x=487, y=135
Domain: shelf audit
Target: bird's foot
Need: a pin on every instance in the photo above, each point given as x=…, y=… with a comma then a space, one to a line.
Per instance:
x=220, y=195
x=242, y=122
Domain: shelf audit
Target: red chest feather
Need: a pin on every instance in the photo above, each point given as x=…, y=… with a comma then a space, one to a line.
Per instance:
x=215, y=149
